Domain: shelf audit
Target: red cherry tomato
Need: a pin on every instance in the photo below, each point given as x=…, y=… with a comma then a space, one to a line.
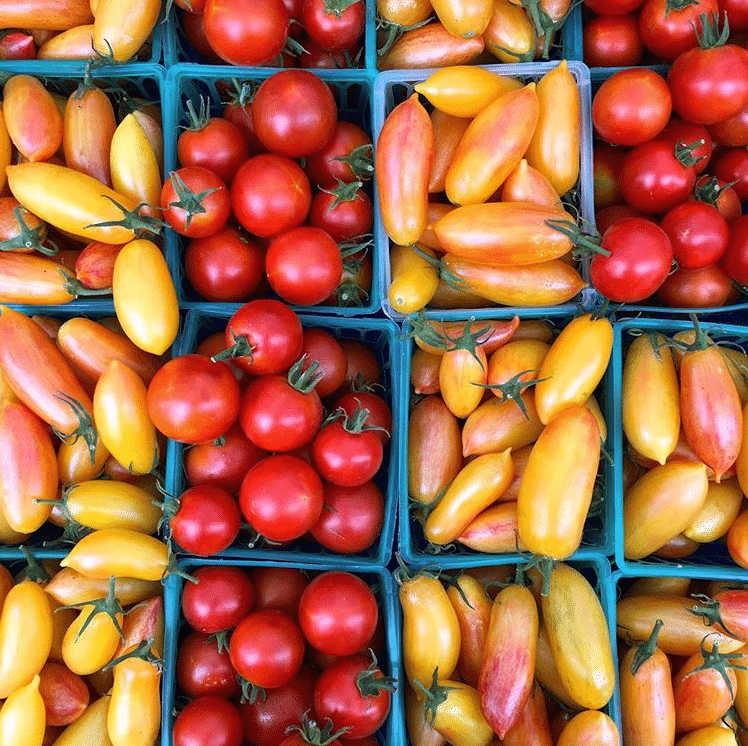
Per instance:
x=216, y=144
x=680, y=131
x=207, y=521
x=219, y=600
x=334, y=32
x=279, y=588
x=380, y=414
x=731, y=167
x=612, y=41
x=345, y=221
x=735, y=260
x=326, y=166
x=612, y=214
x=709, y=287
x=322, y=347
x=208, y=721
x=204, y=669
x=698, y=234
x=669, y=31
x=195, y=201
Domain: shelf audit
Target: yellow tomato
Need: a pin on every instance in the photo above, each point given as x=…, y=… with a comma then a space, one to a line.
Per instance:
x=510, y=36
x=414, y=279
x=6, y=151
x=121, y=28
x=134, y=716
x=23, y=717
x=88, y=650
x=721, y=507
x=69, y=587
x=459, y=717
x=590, y=728
x=74, y=460
x=711, y=735
x=463, y=18
x=90, y=728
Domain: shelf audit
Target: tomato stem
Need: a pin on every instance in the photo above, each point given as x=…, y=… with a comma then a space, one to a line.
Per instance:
x=198, y=121
x=28, y=238
x=191, y=203
x=710, y=36
x=343, y=193
x=572, y=231
x=671, y=5
x=108, y=605
x=684, y=153
x=241, y=348
x=360, y=161
x=250, y=692
x=434, y=696
x=720, y=662
x=34, y=570
x=143, y=651
x=349, y=294
x=304, y=380
x=394, y=32
x=312, y=734
x=513, y=389
x=709, y=611
x=369, y=684
x=132, y=219
x=646, y=650
x=221, y=639
x=85, y=429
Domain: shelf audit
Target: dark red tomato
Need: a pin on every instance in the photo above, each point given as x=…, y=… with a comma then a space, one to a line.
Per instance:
x=631, y=107
x=709, y=85
x=680, y=131
x=267, y=337
x=607, y=165
x=655, y=177
x=208, y=721
x=207, y=521
x=246, y=32
x=281, y=413
x=709, y=287
x=601, y=7
x=193, y=25
x=370, y=741
x=735, y=260
x=737, y=14
x=279, y=588
x=351, y=519
x=215, y=144
x=220, y=599
x=363, y=366
x=202, y=669
x=379, y=412
x=321, y=347
x=191, y=6
x=239, y=112
x=640, y=259
x=733, y=167
x=266, y=722
x=316, y=58
x=294, y=113
x=612, y=214
x=195, y=201
x=270, y=195
x=612, y=41
x=267, y=648
x=338, y=613
x=732, y=132
x=669, y=29
x=193, y=400
x=225, y=267
x=304, y=265
x=348, y=141
x=293, y=8
x=717, y=192
x=332, y=25
x=354, y=694
x=345, y=221
x=698, y=234
x=17, y=45
x=281, y=497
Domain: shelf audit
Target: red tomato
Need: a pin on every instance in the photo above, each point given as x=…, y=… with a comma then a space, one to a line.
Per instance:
x=698, y=234
x=208, y=721
x=279, y=588
x=733, y=167
x=267, y=648
x=207, y=521
x=304, y=265
x=246, y=32
x=735, y=260
x=733, y=132
x=17, y=45
x=213, y=143
x=668, y=30
x=639, y=261
x=345, y=221
x=316, y=58
x=680, y=131
x=612, y=41
x=193, y=25
x=321, y=347
x=225, y=267
x=631, y=107
x=607, y=165
x=351, y=519
x=281, y=497
x=345, y=156
x=195, y=201
x=204, y=669
x=379, y=412
x=709, y=287
x=294, y=113
x=612, y=214
x=193, y=400
x=65, y=694
x=363, y=366
x=715, y=192
x=220, y=599
x=270, y=194
x=334, y=31
x=737, y=14
x=612, y=6
x=338, y=613
x=239, y=111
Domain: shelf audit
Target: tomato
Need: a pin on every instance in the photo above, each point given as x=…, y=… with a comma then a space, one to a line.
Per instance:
x=345, y=220
x=350, y=144
x=213, y=143
x=335, y=27
x=668, y=31
x=607, y=165
x=732, y=132
x=709, y=287
x=220, y=599
x=510, y=34
x=208, y=721
x=267, y=648
x=680, y=131
x=379, y=413
x=65, y=694
x=338, y=613
x=527, y=184
x=612, y=41
x=245, y=32
x=193, y=400
x=17, y=45
x=94, y=266
x=737, y=540
x=732, y=167
x=195, y=202
x=737, y=14
x=22, y=716
x=363, y=366
x=204, y=669
x=720, y=194
x=270, y=194
x=317, y=58
x=279, y=588
x=120, y=30
x=322, y=348
x=281, y=497
x=698, y=234
x=631, y=107
x=601, y=7
x=207, y=520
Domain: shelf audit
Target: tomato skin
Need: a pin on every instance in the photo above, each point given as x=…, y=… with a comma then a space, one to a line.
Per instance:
x=203, y=670
x=279, y=588
x=220, y=600
x=345, y=458
x=379, y=411
x=207, y=521
x=22, y=716
x=332, y=32
x=733, y=167
x=345, y=221
x=735, y=259
x=698, y=234
x=216, y=206
x=431, y=46
x=219, y=146
x=321, y=347
x=601, y=7
x=323, y=169
x=612, y=41
x=94, y=266
x=209, y=721
x=65, y=694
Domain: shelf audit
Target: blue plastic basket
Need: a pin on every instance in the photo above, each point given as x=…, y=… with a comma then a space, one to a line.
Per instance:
x=712, y=559
x=393, y=87
x=352, y=90
x=391, y=732
x=598, y=535
x=382, y=336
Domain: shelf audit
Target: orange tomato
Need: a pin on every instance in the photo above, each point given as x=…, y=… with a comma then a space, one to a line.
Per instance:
x=448, y=131
x=473, y=611
x=495, y=530
x=463, y=18
x=590, y=728
x=527, y=184
x=431, y=46
x=462, y=374
x=510, y=36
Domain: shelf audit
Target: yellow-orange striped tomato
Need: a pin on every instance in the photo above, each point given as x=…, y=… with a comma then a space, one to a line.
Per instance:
x=404, y=12
x=510, y=36
x=527, y=184
x=134, y=715
x=6, y=152
x=463, y=18
x=473, y=610
x=448, y=131
x=90, y=727
x=590, y=728
x=495, y=530
x=69, y=587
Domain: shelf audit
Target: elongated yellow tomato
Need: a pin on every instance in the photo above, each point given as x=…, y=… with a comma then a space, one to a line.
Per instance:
x=22, y=717
x=555, y=146
x=578, y=635
x=431, y=631
x=494, y=530
x=721, y=507
x=419, y=729
x=741, y=463
x=74, y=44
x=711, y=735
x=492, y=146
x=26, y=616
x=448, y=131
x=69, y=587
x=473, y=610
x=134, y=716
x=90, y=728
x=119, y=552
x=6, y=152
x=8, y=535
x=590, y=728
x=461, y=374
x=465, y=90
x=661, y=505
x=120, y=29
x=71, y=201
x=404, y=12
x=510, y=36
x=61, y=621
x=122, y=419
x=85, y=651
x=666, y=585
x=463, y=18
x=594, y=407
x=651, y=398
x=547, y=674
x=556, y=489
x=414, y=279
x=144, y=296
x=458, y=715
x=527, y=184
x=74, y=461
x=478, y=485
x=574, y=365
x=520, y=360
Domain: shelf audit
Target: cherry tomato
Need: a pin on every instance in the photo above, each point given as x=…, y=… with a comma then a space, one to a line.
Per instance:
x=363, y=365
x=333, y=31
x=607, y=165
x=380, y=415
x=735, y=259
x=698, y=234
x=207, y=521
x=65, y=694
x=220, y=599
x=612, y=41
x=214, y=143
x=346, y=220
x=208, y=721
x=279, y=588
x=680, y=131
x=195, y=202
x=737, y=14
x=708, y=287
x=732, y=132
x=612, y=6
x=346, y=156
x=203, y=668
x=667, y=30
x=612, y=214
x=322, y=347
x=732, y=167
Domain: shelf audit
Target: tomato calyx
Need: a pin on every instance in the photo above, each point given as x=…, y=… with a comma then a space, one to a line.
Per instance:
x=221, y=639
x=343, y=193
x=198, y=120
x=394, y=31
x=250, y=692
x=348, y=294
x=303, y=380
x=360, y=161
x=337, y=7
x=132, y=220
x=468, y=340
x=191, y=203
x=646, y=650
x=708, y=190
x=242, y=94
x=34, y=570
x=354, y=424
x=684, y=153
x=584, y=245
x=108, y=605
x=544, y=565
x=445, y=275
x=29, y=238
x=709, y=610
x=370, y=682
x=312, y=734
x=242, y=347
x=719, y=662
x=85, y=429
x=671, y=5
x=434, y=696
x=711, y=37
x=514, y=388
x=143, y=651
x=544, y=25
x=76, y=288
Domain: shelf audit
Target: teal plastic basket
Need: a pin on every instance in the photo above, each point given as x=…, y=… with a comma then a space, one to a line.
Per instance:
x=391, y=732
x=379, y=334
x=597, y=539
x=712, y=560
x=393, y=87
x=352, y=91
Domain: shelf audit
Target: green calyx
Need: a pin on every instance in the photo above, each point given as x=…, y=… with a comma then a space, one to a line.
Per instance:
x=394, y=31
x=338, y=7
x=684, y=153
x=133, y=220
x=28, y=238
x=647, y=649
x=343, y=193
x=713, y=660
x=434, y=696
x=85, y=429
x=108, y=605
x=711, y=37
x=371, y=681
x=585, y=245
x=709, y=610
x=144, y=652
x=241, y=348
x=250, y=692
x=302, y=380
x=678, y=5
x=312, y=734
x=513, y=389
x=198, y=120
x=221, y=640
x=191, y=203
x=708, y=189
x=348, y=295
x=701, y=338
x=360, y=162
x=34, y=571
x=354, y=424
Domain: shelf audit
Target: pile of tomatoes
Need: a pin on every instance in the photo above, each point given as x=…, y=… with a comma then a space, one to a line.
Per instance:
x=471, y=195
x=499, y=402
x=247, y=205
x=481, y=654
x=301, y=651
x=668, y=195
